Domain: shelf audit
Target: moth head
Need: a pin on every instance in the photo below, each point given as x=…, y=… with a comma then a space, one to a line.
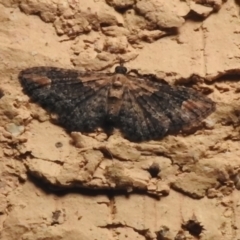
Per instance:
x=120, y=69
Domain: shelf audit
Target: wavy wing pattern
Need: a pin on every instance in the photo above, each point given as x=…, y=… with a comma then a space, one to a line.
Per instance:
x=145, y=107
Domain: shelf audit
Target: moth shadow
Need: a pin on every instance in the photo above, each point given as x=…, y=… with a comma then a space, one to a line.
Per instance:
x=62, y=191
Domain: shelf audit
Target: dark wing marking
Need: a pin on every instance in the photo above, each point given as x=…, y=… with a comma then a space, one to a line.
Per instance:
x=139, y=120
x=78, y=98
x=152, y=108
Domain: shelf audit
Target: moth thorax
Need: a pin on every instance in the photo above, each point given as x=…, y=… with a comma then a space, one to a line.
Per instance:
x=114, y=99
x=117, y=84
x=116, y=90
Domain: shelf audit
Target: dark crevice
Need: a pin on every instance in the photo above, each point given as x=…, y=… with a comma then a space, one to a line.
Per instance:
x=234, y=76
x=1, y=93
x=23, y=156
x=191, y=81
x=193, y=16
x=154, y=170
x=49, y=188
x=193, y=227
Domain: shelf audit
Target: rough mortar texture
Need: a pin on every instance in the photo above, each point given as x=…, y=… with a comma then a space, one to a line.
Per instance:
x=59, y=186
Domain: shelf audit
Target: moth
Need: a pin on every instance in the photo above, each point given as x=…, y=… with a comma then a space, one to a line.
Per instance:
x=142, y=107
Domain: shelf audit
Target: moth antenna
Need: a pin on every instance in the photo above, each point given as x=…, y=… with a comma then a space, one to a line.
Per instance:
x=121, y=61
